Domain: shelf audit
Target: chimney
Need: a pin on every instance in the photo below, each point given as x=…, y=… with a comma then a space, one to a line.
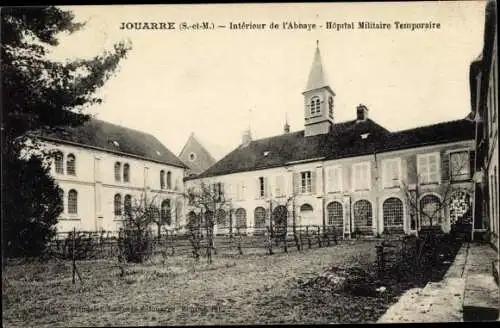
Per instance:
x=361, y=113
x=246, y=138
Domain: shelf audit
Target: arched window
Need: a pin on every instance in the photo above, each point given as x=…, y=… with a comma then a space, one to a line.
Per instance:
x=335, y=215
x=306, y=215
x=221, y=218
x=162, y=179
x=118, y=167
x=166, y=212
x=118, y=205
x=363, y=215
x=58, y=162
x=169, y=180
x=71, y=165
x=127, y=205
x=392, y=209
x=209, y=218
x=126, y=172
x=280, y=217
x=192, y=220
x=241, y=218
x=315, y=105
x=61, y=195
x=260, y=217
x=430, y=210
x=72, y=201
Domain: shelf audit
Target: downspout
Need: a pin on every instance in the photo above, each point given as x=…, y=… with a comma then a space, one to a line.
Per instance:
x=376, y=194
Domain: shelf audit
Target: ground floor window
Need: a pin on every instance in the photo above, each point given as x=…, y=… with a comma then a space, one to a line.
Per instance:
x=430, y=211
x=363, y=216
x=335, y=215
x=260, y=217
x=241, y=218
x=392, y=209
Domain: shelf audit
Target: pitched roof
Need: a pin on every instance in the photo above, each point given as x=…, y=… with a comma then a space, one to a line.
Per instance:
x=114, y=138
x=203, y=159
x=344, y=140
x=317, y=78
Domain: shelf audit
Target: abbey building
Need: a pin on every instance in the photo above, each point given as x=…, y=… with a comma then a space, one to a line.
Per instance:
x=355, y=176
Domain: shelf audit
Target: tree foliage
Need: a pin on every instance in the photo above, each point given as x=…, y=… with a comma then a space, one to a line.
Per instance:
x=40, y=94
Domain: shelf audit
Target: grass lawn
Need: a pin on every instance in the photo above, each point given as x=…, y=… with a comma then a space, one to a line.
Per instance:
x=244, y=289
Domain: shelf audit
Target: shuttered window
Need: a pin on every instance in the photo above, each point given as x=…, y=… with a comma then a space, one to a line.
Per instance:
x=334, y=178
x=280, y=186
x=305, y=182
x=391, y=172
x=361, y=176
x=460, y=166
x=428, y=168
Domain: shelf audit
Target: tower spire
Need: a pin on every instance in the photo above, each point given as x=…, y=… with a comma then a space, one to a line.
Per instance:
x=317, y=78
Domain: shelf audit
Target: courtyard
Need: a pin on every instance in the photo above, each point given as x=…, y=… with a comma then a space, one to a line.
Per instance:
x=248, y=289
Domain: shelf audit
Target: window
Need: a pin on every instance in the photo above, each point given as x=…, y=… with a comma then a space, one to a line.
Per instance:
x=192, y=157
x=118, y=205
x=460, y=166
x=126, y=172
x=162, y=179
x=305, y=182
x=363, y=215
x=261, y=191
x=72, y=201
x=335, y=215
x=166, y=212
x=221, y=218
x=260, y=217
x=392, y=209
x=70, y=165
x=391, y=172
x=330, y=106
x=118, y=167
x=169, y=180
x=315, y=106
x=306, y=214
x=430, y=210
x=428, y=168
x=218, y=191
x=361, y=176
x=280, y=186
x=61, y=195
x=241, y=218
x=334, y=178
x=240, y=191
x=58, y=162
x=127, y=205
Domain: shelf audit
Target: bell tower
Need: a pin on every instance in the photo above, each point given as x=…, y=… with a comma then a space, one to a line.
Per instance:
x=318, y=99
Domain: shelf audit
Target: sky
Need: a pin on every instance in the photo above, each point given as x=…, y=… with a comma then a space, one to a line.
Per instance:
x=217, y=83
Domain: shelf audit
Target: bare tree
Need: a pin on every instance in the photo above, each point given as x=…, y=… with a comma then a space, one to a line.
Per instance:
x=205, y=200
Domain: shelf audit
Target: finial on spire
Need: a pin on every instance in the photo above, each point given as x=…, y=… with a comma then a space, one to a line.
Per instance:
x=286, y=128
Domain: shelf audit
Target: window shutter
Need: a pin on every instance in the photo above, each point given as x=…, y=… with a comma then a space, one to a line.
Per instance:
x=257, y=188
x=472, y=161
x=313, y=182
x=296, y=183
x=223, y=190
x=267, y=187
x=411, y=169
x=338, y=179
x=329, y=179
x=445, y=168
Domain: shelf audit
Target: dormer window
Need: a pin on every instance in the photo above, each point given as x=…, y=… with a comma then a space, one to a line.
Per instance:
x=315, y=106
x=116, y=143
x=364, y=135
x=158, y=153
x=266, y=153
